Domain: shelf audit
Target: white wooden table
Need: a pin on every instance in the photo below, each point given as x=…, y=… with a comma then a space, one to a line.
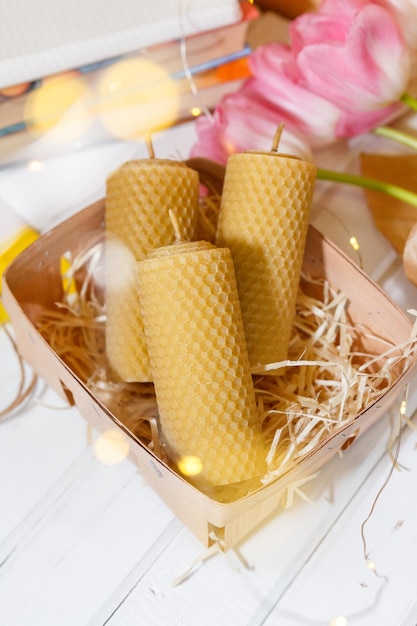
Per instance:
x=83, y=543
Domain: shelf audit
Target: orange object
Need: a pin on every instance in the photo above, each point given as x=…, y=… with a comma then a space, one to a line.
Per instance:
x=15, y=90
x=239, y=68
x=11, y=248
x=289, y=9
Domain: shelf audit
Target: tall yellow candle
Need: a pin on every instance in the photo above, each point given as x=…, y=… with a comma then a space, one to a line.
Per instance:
x=199, y=362
x=139, y=196
x=264, y=216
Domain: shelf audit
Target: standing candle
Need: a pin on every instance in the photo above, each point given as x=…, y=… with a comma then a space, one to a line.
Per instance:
x=139, y=196
x=199, y=362
x=264, y=215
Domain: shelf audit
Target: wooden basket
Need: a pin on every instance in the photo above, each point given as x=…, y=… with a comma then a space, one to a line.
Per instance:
x=33, y=282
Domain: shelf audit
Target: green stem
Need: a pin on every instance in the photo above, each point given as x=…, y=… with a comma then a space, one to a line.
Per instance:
x=409, y=101
x=369, y=183
x=396, y=135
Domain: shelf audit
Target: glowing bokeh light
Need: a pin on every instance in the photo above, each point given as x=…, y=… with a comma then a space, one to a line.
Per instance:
x=354, y=242
x=190, y=465
x=371, y=564
x=340, y=620
x=118, y=256
x=61, y=103
x=111, y=447
x=135, y=97
x=36, y=165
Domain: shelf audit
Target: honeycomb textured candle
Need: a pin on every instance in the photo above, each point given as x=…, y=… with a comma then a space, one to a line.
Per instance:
x=138, y=197
x=199, y=362
x=263, y=219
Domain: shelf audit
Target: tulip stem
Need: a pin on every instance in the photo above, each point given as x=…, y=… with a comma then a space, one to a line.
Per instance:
x=369, y=183
x=396, y=135
x=409, y=101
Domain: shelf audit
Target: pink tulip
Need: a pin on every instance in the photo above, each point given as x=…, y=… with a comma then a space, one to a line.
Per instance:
x=343, y=74
x=405, y=14
x=243, y=123
x=352, y=53
x=208, y=143
x=277, y=81
x=354, y=123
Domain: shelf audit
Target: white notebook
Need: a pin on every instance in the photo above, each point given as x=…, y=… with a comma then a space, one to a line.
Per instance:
x=42, y=37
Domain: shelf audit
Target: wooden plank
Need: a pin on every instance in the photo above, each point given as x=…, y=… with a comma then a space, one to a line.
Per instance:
x=223, y=590
x=81, y=541
x=347, y=586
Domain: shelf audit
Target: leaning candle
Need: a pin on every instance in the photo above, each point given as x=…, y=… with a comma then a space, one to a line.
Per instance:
x=199, y=363
x=264, y=215
x=139, y=196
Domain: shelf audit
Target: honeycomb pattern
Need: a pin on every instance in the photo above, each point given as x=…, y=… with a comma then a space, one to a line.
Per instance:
x=263, y=219
x=138, y=197
x=199, y=361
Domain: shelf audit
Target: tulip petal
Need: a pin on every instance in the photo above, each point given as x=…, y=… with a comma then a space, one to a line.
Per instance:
x=241, y=123
x=369, y=71
x=276, y=80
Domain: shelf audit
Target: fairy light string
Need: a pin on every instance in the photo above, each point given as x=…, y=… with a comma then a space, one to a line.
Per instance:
x=202, y=108
x=402, y=415
x=352, y=239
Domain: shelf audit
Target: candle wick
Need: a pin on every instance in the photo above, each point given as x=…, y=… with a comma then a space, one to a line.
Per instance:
x=177, y=230
x=277, y=137
x=149, y=145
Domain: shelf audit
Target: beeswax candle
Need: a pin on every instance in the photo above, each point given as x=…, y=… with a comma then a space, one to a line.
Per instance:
x=264, y=215
x=199, y=362
x=139, y=195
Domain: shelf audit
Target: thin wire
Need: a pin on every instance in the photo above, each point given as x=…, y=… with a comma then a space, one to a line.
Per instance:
x=349, y=233
x=386, y=481
x=185, y=65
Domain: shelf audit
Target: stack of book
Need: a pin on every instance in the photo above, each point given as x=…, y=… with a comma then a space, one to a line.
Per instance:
x=201, y=52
